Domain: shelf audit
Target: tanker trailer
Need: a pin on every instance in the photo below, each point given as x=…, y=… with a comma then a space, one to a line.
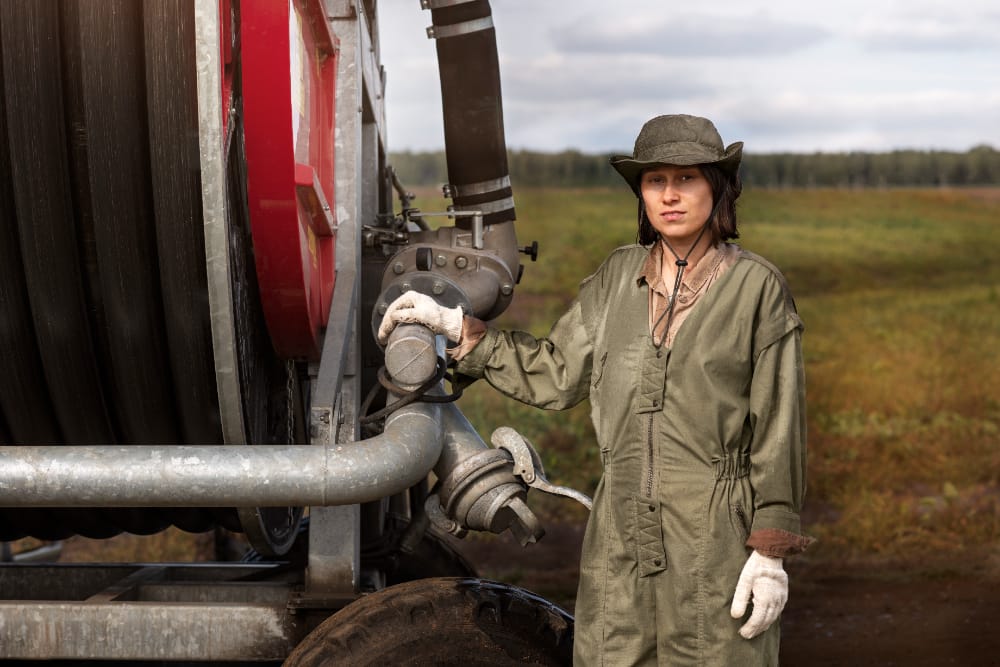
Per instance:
x=197, y=241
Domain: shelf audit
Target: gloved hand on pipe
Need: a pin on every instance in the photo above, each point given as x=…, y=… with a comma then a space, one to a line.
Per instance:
x=764, y=578
x=417, y=308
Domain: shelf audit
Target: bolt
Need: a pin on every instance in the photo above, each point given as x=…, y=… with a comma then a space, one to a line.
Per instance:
x=440, y=260
x=406, y=287
x=398, y=268
x=438, y=289
x=506, y=289
x=382, y=308
x=461, y=262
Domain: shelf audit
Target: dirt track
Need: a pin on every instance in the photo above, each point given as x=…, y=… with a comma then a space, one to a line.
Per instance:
x=861, y=622
x=886, y=617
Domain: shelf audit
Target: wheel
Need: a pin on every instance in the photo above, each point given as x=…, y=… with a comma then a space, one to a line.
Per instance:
x=448, y=621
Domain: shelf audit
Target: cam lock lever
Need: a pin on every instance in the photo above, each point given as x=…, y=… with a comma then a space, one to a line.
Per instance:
x=528, y=465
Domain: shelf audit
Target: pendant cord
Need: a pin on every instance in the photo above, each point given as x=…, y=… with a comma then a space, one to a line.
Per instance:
x=681, y=265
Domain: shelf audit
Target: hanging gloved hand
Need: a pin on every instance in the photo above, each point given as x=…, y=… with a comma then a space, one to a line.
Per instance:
x=416, y=308
x=764, y=578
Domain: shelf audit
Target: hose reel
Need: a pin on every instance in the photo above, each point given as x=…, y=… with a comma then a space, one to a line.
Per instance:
x=111, y=251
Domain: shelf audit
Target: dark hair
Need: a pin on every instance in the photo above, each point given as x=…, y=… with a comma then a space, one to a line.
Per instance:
x=726, y=190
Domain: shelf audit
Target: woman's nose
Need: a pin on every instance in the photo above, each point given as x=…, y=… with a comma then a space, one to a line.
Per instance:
x=669, y=193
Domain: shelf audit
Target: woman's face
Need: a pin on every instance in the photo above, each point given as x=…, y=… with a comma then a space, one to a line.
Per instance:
x=678, y=201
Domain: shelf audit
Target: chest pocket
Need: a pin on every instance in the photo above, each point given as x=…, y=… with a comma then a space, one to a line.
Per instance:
x=613, y=389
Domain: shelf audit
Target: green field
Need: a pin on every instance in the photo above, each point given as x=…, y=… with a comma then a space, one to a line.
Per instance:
x=900, y=294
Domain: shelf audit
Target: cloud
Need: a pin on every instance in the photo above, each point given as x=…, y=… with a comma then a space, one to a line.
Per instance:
x=940, y=30
x=870, y=122
x=783, y=76
x=684, y=36
x=606, y=80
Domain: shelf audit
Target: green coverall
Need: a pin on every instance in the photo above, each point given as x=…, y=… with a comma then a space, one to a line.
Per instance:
x=701, y=444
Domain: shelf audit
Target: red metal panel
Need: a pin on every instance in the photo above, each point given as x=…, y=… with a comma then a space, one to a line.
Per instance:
x=289, y=75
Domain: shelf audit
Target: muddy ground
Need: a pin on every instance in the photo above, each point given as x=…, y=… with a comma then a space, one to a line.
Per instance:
x=918, y=615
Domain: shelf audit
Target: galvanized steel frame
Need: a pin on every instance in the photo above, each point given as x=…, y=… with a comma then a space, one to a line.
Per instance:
x=212, y=144
x=108, y=612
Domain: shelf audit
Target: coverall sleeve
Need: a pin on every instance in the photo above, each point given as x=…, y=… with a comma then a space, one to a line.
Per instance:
x=778, y=449
x=551, y=372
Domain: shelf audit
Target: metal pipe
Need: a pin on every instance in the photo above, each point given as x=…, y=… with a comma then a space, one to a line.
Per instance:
x=461, y=441
x=411, y=355
x=227, y=476
x=43, y=554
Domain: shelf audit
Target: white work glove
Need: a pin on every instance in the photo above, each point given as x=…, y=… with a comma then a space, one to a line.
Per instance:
x=765, y=578
x=417, y=308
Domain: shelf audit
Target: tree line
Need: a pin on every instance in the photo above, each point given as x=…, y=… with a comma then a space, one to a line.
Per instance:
x=979, y=166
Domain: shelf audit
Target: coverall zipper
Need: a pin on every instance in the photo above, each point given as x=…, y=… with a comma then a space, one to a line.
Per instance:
x=649, y=456
x=742, y=516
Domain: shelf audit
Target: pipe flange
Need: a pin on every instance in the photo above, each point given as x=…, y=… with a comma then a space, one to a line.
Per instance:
x=441, y=288
x=490, y=462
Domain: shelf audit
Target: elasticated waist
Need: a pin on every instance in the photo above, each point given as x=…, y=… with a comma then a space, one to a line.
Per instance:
x=732, y=466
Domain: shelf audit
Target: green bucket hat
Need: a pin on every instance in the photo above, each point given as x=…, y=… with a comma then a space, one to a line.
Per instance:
x=679, y=140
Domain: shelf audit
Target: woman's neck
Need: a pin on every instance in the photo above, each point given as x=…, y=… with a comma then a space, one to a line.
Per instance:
x=668, y=262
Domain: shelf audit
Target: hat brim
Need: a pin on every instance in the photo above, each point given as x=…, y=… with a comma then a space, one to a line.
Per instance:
x=630, y=168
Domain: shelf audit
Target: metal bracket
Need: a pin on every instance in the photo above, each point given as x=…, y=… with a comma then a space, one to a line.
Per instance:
x=477, y=222
x=438, y=4
x=528, y=465
x=458, y=29
x=481, y=188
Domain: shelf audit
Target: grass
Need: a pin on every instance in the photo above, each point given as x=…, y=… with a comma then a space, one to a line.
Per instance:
x=900, y=293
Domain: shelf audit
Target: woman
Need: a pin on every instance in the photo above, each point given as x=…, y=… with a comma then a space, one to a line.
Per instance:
x=688, y=348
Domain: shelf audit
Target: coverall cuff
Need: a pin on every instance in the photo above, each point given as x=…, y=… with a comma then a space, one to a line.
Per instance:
x=776, y=517
x=778, y=543
x=474, y=362
x=473, y=330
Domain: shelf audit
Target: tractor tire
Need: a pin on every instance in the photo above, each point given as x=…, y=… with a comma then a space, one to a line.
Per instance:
x=445, y=621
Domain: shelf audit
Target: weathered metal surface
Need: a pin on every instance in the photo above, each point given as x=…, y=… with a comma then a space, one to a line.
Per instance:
x=226, y=476
x=132, y=612
x=214, y=206
x=411, y=357
x=146, y=631
x=334, y=565
x=334, y=561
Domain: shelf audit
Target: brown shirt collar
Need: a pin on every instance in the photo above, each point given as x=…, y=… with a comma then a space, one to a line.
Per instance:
x=694, y=284
x=695, y=278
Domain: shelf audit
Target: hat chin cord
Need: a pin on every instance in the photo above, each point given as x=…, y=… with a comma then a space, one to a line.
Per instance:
x=681, y=263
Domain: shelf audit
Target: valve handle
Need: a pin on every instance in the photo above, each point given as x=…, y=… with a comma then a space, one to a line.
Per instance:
x=531, y=251
x=528, y=465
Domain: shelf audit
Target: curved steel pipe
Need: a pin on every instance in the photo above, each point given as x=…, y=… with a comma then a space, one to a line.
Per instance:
x=225, y=476
x=230, y=475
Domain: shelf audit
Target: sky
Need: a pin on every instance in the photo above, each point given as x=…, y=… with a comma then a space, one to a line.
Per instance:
x=781, y=75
